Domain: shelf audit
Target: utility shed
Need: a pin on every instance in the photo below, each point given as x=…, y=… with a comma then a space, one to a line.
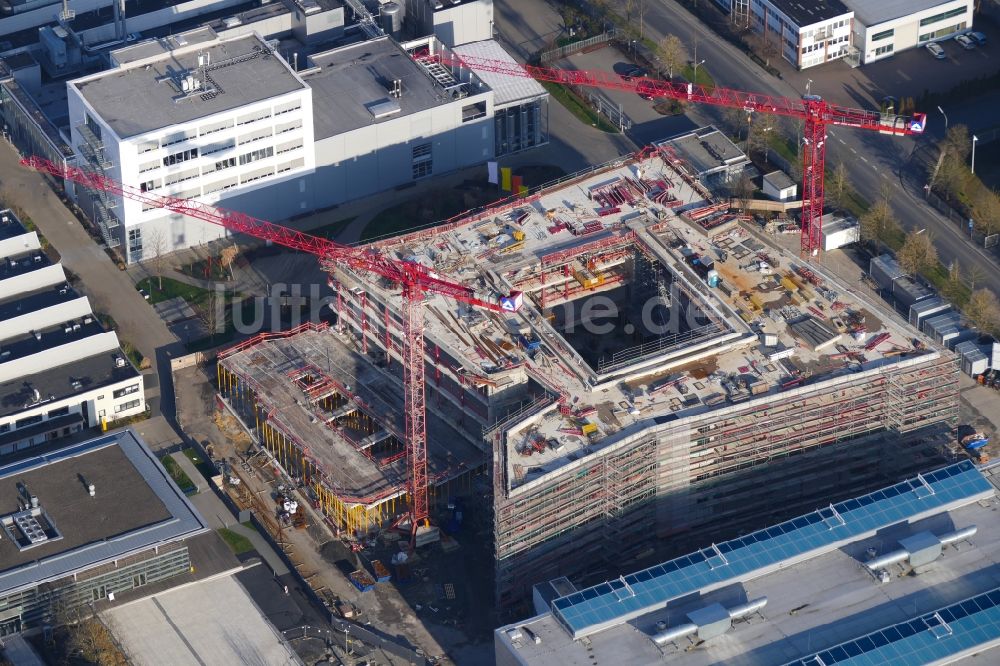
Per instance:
x=974, y=361
x=839, y=231
x=884, y=270
x=815, y=333
x=929, y=307
x=961, y=335
x=933, y=325
x=908, y=291
x=778, y=185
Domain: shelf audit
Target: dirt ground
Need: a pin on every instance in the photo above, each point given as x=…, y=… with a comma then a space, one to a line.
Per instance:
x=419, y=612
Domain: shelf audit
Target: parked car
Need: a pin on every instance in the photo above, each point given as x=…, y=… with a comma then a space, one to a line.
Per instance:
x=978, y=38
x=936, y=50
x=965, y=42
x=633, y=73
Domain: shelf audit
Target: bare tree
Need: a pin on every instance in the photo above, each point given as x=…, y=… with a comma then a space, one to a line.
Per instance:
x=954, y=285
x=154, y=247
x=763, y=47
x=759, y=132
x=918, y=253
x=986, y=210
x=957, y=142
x=743, y=190
x=671, y=53
x=212, y=312
x=983, y=310
x=976, y=274
x=877, y=223
x=836, y=188
x=227, y=257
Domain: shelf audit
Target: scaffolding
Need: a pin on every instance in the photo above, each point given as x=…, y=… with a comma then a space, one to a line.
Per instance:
x=725, y=469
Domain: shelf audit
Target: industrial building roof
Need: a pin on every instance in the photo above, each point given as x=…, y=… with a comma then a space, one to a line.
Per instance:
x=145, y=96
x=135, y=507
x=809, y=12
x=353, y=87
x=873, y=12
x=158, y=47
x=506, y=89
x=706, y=151
x=811, y=572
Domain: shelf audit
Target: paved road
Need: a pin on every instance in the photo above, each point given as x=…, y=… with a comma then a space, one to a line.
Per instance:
x=109, y=289
x=871, y=159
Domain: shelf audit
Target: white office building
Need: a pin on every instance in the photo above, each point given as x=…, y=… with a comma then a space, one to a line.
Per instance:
x=60, y=370
x=806, y=32
x=201, y=121
x=884, y=27
x=229, y=123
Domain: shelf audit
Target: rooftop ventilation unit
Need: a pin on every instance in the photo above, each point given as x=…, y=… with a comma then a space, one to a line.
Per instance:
x=708, y=622
x=918, y=550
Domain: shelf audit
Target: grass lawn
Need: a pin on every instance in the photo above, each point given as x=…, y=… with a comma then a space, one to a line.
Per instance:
x=578, y=107
x=238, y=543
x=704, y=78
x=199, y=461
x=333, y=228
x=181, y=478
x=172, y=289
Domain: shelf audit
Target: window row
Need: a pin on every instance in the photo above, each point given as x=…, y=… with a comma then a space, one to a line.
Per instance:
x=182, y=156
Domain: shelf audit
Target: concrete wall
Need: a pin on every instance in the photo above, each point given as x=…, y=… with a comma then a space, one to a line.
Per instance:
x=464, y=23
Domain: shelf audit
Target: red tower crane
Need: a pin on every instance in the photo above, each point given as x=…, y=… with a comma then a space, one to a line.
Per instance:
x=414, y=279
x=815, y=113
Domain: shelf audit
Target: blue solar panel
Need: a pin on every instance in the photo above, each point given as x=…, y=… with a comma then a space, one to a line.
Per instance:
x=588, y=610
x=929, y=637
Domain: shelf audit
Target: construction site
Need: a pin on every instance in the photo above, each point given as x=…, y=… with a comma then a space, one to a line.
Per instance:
x=655, y=379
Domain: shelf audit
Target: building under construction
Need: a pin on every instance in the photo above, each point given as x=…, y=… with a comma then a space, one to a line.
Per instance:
x=668, y=381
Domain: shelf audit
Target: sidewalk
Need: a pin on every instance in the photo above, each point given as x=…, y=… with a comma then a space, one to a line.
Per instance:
x=218, y=515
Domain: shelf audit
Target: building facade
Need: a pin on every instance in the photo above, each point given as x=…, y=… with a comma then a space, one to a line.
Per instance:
x=61, y=371
x=806, y=34
x=883, y=28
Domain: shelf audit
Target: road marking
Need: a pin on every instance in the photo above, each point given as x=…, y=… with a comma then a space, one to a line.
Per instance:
x=864, y=159
x=854, y=151
x=842, y=141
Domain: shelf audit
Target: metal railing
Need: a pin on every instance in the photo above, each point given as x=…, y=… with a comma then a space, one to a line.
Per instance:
x=569, y=49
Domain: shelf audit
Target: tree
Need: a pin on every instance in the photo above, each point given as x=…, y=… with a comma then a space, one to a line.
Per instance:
x=918, y=253
x=986, y=210
x=743, y=190
x=155, y=249
x=877, y=223
x=836, y=186
x=212, y=313
x=975, y=275
x=759, y=132
x=671, y=53
x=763, y=47
x=227, y=257
x=954, y=285
x=957, y=142
x=983, y=310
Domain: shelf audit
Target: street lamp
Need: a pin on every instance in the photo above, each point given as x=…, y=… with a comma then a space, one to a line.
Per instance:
x=808, y=86
x=975, y=139
x=945, y=118
x=696, y=70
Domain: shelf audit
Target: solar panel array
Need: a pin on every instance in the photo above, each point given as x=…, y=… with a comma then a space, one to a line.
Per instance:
x=927, y=638
x=616, y=601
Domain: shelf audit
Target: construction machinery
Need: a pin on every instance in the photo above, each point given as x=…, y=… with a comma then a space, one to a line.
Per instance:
x=815, y=113
x=414, y=279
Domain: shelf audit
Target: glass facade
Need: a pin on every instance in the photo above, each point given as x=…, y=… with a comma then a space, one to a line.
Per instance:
x=39, y=605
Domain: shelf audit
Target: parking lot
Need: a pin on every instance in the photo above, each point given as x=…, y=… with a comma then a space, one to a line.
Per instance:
x=909, y=73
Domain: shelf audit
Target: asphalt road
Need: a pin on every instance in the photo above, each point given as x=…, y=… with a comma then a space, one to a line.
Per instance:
x=871, y=159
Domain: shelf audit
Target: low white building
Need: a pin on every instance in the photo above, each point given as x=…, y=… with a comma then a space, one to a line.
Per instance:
x=60, y=371
x=884, y=27
x=839, y=231
x=779, y=186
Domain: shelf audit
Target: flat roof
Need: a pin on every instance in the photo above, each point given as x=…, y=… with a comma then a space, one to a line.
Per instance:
x=153, y=47
x=808, y=12
x=136, y=506
x=819, y=594
x=134, y=99
x=56, y=336
x=23, y=264
x=34, y=301
x=63, y=381
x=506, y=89
x=779, y=179
x=353, y=79
x=706, y=151
x=10, y=226
x=873, y=12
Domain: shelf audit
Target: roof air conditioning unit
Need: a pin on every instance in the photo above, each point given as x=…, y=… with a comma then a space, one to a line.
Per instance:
x=119, y=362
